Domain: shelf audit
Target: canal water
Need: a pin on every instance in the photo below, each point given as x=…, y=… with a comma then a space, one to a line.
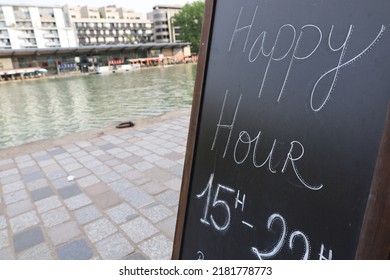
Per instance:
x=41, y=109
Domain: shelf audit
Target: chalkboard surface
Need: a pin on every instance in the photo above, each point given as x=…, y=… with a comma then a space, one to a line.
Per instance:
x=292, y=108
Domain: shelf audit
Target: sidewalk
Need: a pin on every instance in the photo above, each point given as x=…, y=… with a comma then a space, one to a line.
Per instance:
x=109, y=194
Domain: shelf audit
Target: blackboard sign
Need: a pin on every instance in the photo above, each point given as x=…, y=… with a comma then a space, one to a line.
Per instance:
x=289, y=114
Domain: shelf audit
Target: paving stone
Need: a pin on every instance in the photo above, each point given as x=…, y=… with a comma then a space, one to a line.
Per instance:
x=55, y=217
x=88, y=181
x=152, y=158
x=120, y=185
x=92, y=164
x=141, y=152
x=176, y=170
x=168, y=226
x=6, y=254
x=52, y=168
x=115, y=151
x=101, y=169
x=25, y=164
x=19, y=207
x=28, y=239
x=62, y=156
x=133, y=175
x=143, y=165
x=67, y=161
x=99, y=229
x=91, y=148
x=121, y=168
x=13, y=197
x=10, y=179
x=110, y=177
x=38, y=184
x=83, y=144
x=157, y=248
x=8, y=172
x=97, y=153
x=87, y=214
x=41, y=193
x=56, y=175
x=77, y=201
x=114, y=247
x=80, y=154
x=41, y=156
x=79, y=173
x=33, y=176
x=3, y=222
x=39, y=252
x=157, y=174
x=47, y=204
x=24, y=221
x=61, y=183
x=153, y=188
x=75, y=250
x=96, y=189
x=112, y=162
x=137, y=197
x=13, y=187
x=56, y=151
x=165, y=163
x=70, y=191
x=121, y=213
x=132, y=160
x=72, y=166
x=174, y=184
x=46, y=163
x=4, y=242
x=141, y=181
x=169, y=198
x=139, y=229
x=30, y=170
x=107, y=199
x=6, y=161
x=107, y=147
x=156, y=213
x=64, y=232
x=136, y=256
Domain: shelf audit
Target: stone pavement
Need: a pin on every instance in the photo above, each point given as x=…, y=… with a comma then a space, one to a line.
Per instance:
x=112, y=196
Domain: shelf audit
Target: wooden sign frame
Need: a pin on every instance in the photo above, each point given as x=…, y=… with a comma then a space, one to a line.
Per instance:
x=374, y=238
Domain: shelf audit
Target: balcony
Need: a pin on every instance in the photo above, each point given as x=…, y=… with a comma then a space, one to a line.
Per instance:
x=53, y=44
x=26, y=35
x=49, y=25
x=5, y=46
x=48, y=18
x=28, y=45
x=51, y=35
x=4, y=35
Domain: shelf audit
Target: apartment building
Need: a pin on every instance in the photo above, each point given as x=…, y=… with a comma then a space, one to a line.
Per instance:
x=108, y=25
x=23, y=27
x=163, y=27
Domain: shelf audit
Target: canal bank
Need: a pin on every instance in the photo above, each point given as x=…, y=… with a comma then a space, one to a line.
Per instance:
x=50, y=108
x=101, y=194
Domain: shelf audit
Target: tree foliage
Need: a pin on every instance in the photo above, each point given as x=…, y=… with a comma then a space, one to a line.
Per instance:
x=190, y=20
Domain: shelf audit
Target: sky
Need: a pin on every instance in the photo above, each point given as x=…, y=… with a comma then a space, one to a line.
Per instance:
x=141, y=6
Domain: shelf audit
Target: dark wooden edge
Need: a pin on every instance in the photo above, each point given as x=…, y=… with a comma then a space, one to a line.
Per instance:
x=196, y=103
x=374, y=240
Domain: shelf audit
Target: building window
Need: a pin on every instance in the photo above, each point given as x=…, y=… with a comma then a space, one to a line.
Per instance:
x=160, y=15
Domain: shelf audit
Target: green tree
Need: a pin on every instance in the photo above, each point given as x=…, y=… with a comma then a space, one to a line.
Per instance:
x=190, y=20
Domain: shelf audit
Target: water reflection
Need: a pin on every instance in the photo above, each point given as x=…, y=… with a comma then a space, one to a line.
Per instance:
x=40, y=109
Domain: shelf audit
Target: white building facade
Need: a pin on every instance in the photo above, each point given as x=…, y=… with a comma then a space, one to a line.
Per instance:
x=108, y=25
x=23, y=27
x=163, y=23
